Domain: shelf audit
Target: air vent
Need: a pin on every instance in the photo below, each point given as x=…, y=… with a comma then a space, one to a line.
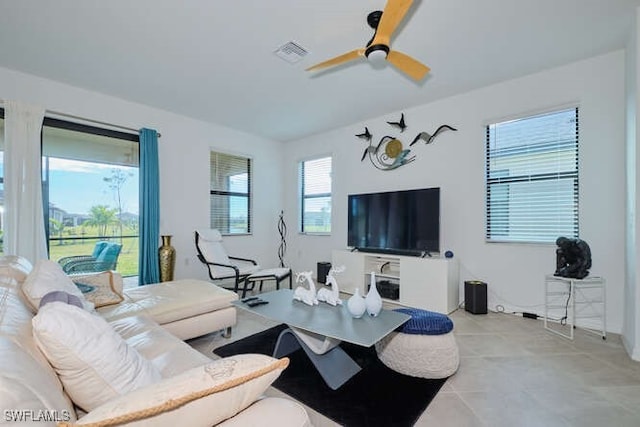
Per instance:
x=291, y=52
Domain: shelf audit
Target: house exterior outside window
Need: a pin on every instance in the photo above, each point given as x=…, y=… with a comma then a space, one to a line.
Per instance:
x=532, y=178
x=90, y=188
x=315, y=195
x=230, y=193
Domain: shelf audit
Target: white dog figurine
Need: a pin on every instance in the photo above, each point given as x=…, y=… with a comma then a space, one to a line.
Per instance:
x=331, y=296
x=307, y=296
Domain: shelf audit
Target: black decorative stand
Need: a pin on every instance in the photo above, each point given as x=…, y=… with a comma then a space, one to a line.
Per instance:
x=282, y=229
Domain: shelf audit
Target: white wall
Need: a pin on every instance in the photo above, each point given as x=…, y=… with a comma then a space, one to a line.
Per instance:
x=455, y=163
x=631, y=319
x=184, y=163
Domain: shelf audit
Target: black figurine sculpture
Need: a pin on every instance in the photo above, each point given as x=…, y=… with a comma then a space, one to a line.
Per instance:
x=573, y=258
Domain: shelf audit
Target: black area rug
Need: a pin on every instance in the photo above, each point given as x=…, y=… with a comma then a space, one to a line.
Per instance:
x=375, y=396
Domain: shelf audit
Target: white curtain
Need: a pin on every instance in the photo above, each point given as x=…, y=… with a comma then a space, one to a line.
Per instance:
x=24, y=218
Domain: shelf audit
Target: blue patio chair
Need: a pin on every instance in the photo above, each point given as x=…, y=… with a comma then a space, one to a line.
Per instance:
x=104, y=257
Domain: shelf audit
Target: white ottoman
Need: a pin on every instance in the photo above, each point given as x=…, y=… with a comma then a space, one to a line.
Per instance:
x=278, y=274
x=423, y=347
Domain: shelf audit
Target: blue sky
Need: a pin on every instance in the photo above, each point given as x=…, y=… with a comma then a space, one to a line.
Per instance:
x=76, y=186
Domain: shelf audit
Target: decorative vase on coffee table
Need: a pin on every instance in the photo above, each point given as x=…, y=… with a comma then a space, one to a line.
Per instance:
x=356, y=305
x=166, y=259
x=373, y=301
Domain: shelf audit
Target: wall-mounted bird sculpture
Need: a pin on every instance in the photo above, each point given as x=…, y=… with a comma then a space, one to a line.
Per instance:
x=365, y=135
x=428, y=138
x=400, y=125
x=389, y=153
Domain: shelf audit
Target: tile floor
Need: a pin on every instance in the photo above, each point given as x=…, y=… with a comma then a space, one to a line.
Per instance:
x=514, y=373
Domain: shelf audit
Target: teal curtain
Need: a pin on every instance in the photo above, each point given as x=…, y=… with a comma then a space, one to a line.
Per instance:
x=149, y=207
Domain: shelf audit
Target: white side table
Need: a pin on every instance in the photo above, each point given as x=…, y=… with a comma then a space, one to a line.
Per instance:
x=574, y=299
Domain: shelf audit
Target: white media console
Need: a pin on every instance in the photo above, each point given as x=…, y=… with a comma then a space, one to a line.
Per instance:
x=427, y=283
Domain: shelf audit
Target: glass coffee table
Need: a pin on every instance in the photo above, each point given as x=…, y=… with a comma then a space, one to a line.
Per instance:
x=319, y=330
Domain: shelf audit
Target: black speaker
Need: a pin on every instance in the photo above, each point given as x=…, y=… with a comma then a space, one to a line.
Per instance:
x=475, y=297
x=323, y=270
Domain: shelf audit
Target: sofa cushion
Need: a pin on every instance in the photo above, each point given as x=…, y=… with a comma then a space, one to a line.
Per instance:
x=98, y=288
x=203, y=396
x=170, y=301
x=15, y=315
x=47, y=276
x=169, y=355
x=286, y=412
x=14, y=269
x=27, y=381
x=93, y=362
x=99, y=247
x=109, y=253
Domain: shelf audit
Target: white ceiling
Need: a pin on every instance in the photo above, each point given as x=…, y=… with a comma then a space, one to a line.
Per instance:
x=214, y=60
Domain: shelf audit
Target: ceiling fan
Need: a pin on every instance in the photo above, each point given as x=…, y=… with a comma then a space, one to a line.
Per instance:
x=378, y=49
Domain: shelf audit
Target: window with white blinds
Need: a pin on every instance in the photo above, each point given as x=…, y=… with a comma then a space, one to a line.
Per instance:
x=230, y=193
x=315, y=185
x=532, y=178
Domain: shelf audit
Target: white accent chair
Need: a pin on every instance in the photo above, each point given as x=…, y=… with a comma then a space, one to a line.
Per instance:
x=221, y=266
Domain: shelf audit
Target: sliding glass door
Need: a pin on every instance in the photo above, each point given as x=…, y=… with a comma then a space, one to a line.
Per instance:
x=90, y=191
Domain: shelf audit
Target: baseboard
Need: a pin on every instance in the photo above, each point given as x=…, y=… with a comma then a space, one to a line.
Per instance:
x=582, y=323
x=632, y=351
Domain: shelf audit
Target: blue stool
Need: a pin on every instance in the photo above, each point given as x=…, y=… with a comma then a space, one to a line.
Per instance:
x=424, y=346
x=425, y=322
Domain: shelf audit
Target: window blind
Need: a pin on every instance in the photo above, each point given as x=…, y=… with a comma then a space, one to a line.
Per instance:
x=315, y=184
x=532, y=178
x=88, y=147
x=230, y=193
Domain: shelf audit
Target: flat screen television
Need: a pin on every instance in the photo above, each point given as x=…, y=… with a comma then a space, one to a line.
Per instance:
x=401, y=222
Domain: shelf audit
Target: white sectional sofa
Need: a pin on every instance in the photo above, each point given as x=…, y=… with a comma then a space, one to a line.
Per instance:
x=39, y=381
x=186, y=308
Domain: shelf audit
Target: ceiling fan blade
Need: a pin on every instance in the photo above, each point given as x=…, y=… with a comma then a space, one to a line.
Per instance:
x=349, y=56
x=411, y=67
x=392, y=15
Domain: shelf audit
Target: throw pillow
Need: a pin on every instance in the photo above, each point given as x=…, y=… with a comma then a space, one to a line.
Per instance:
x=99, y=289
x=47, y=276
x=206, y=395
x=93, y=362
x=83, y=288
x=60, y=296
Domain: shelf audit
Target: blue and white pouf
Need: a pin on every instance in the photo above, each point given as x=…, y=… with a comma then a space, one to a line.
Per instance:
x=423, y=347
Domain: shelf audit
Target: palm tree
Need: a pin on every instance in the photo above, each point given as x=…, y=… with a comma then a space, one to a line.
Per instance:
x=116, y=181
x=56, y=228
x=101, y=216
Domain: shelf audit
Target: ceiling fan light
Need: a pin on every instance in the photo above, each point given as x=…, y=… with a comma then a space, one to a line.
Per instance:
x=377, y=58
